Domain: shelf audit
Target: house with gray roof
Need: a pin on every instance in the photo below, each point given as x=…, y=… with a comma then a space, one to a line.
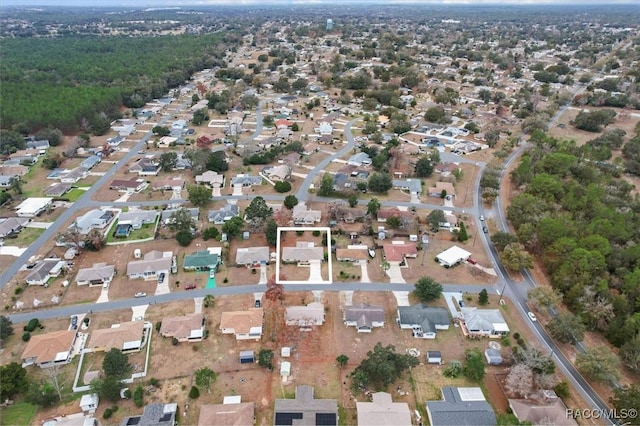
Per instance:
x=218, y=217
x=12, y=225
x=74, y=175
x=5, y=180
x=364, y=317
x=424, y=321
x=137, y=218
x=484, y=322
x=44, y=270
x=414, y=186
x=359, y=159
x=252, y=256
x=91, y=162
x=33, y=144
x=461, y=406
x=305, y=409
x=303, y=253
x=302, y=215
x=156, y=414
x=383, y=411
x=246, y=180
x=151, y=265
x=100, y=274
x=93, y=219
x=57, y=189
x=145, y=167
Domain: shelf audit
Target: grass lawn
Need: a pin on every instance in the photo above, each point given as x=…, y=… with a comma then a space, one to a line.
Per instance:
x=18, y=414
x=25, y=237
x=74, y=194
x=146, y=231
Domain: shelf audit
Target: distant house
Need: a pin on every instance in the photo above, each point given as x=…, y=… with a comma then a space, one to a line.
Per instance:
x=252, y=256
x=32, y=207
x=201, y=261
x=12, y=225
x=93, y=219
x=398, y=253
x=126, y=337
x=437, y=190
x=280, y=172
x=452, y=256
x=13, y=171
x=224, y=214
x=414, y=186
x=384, y=214
x=245, y=325
x=353, y=253
x=169, y=184
x=461, y=406
x=45, y=270
x=145, y=167
x=115, y=141
x=305, y=316
x=57, y=189
x=383, y=411
x=150, y=266
x=131, y=185
x=155, y=414
x=446, y=169
x=100, y=274
x=74, y=175
x=359, y=159
x=246, y=180
x=364, y=317
x=137, y=218
x=424, y=321
x=6, y=181
x=303, y=216
x=185, y=328
x=91, y=162
x=211, y=178
x=303, y=253
x=542, y=408
x=40, y=144
x=228, y=413
x=324, y=129
x=484, y=322
x=47, y=350
x=305, y=409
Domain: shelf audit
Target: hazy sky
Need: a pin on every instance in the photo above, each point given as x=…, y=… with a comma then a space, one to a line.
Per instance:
x=170, y=3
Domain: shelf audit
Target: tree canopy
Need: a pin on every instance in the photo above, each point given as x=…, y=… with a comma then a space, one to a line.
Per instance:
x=116, y=363
x=427, y=289
x=381, y=368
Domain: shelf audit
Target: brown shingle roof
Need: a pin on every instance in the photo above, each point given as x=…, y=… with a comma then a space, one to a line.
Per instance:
x=241, y=321
x=181, y=327
x=227, y=414
x=116, y=337
x=45, y=347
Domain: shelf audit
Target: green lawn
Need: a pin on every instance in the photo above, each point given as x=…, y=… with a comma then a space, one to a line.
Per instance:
x=18, y=414
x=137, y=234
x=74, y=194
x=25, y=237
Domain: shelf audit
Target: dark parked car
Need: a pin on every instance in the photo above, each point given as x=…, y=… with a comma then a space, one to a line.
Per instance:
x=258, y=304
x=189, y=286
x=74, y=322
x=485, y=229
x=161, y=277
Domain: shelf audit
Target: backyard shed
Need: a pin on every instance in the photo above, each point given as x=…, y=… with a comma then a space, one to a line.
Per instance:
x=247, y=357
x=493, y=356
x=285, y=352
x=285, y=369
x=434, y=357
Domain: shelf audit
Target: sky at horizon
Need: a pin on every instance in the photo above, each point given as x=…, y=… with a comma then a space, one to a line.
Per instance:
x=187, y=3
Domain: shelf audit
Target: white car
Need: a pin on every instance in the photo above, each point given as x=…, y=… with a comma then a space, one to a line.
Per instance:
x=482, y=218
x=140, y=295
x=532, y=316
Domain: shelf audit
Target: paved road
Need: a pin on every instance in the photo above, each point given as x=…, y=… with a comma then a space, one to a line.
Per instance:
x=66, y=311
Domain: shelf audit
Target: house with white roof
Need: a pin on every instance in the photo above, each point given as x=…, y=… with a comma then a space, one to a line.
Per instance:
x=32, y=207
x=305, y=315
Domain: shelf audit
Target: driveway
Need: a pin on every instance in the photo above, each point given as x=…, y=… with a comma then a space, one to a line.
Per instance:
x=402, y=298
x=395, y=274
x=11, y=251
x=216, y=191
x=40, y=225
x=315, y=272
x=364, y=274
x=163, y=287
x=138, y=312
x=237, y=190
x=263, y=274
x=415, y=198
x=104, y=295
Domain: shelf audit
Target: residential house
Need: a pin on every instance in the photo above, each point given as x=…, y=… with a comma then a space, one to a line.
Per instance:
x=414, y=186
x=12, y=225
x=32, y=207
x=57, y=189
x=305, y=409
x=383, y=411
x=305, y=316
x=325, y=139
x=224, y=214
x=452, y=256
x=397, y=252
x=324, y=129
x=280, y=172
x=115, y=141
x=145, y=167
x=384, y=214
x=182, y=163
x=341, y=182
x=246, y=180
x=440, y=188
x=291, y=159
x=245, y=325
x=74, y=175
x=155, y=414
x=446, y=169
x=302, y=215
x=169, y=184
x=542, y=408
x=310, y=148
x=423, y=320
x=47, y=350
x=484, y=322
x=201, y=261
x=13, y=171
x=353, y=214
x=91, y=162
x=93, y=219
x=211, y=178
x=165, y=215
x=37, y=144
x=100, y=274
x=353, y=253
x=45, y=270
x=252, y=256
x=131, y=185
x=364, y=317
x=126, y=337
x=124, y=128
x=228, y=413
x=151, y=265
x=304, y=253
x=360, y=159
x=7, y=181
x=185, y=328
x=284, y=135
x=137, y=218
x=461, y=406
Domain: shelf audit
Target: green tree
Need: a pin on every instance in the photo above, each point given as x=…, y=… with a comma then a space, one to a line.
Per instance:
x=43, y=395
x=353, y=200
x=107, y=388
x=427, y=289
x=483, y=297
x=290, y=201
x=216, y=161
x=265, y=358
x=435, y=218
x=424, y=167
x=257, y=212
x=282, y=187
x=394, y=222
x=437, y=115
x=199, y=195
x=326, y=185
x=161, y=131
x=116, y=364
x=168, y=161
x=13, y=380
x=271, y=232
x=379, y=182
x=209, y=301
x=200, y=116
x=6, y=328
x=566, y=328
x=54, y=136
x=181, y=220
x=373, y=206
x=630, y=354
x=627, y=397
x=342, y=360
x=233, y=227
x=211, y=233
x=545, y=297
x=462, y=234
x=184, y=238
x=194, y=393
x=502, y=239
x=514, y=257
x=599, y=364
x=382, y=367
x=473, y=365
x=205, y=377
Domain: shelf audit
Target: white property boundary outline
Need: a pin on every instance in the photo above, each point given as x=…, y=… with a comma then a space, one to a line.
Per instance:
x=304, y=228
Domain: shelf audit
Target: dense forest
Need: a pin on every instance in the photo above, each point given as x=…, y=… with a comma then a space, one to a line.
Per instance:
x=72, y=82
x=581, y=218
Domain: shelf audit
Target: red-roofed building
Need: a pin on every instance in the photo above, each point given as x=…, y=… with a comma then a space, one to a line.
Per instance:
x=384, y=214
x=394, y=252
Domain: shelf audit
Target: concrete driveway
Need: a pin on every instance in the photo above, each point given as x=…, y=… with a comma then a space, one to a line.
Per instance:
x=11, y=251
x=263, y=274
x=395, y=274
x=364, y=274
x=315, y=272
x=237, y=190
x=163, y=287
x=402, y=298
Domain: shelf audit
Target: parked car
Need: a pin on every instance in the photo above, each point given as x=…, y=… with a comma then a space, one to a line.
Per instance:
x=74, y=322
x=189, y=286
x=161, y=277
x=257, y=303
x=472, y=261
x=482, y=217
x=485, y=229
x=532, y=316
x=140, y=294
x=372, y=253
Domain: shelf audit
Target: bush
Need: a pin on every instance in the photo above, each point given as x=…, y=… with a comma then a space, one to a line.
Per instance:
x=153, y=381
x=210, y=233
x=516, y=335
x=506, y=341
x=127, y=393
x=316, y=233
x=138, y=395
x=158, y=326
x=253, y=271
x=184, y=238
x=282, y=187
x=26, y=336
x=194, y=393
x=174, y=341
x=32, y=325
x=18, y=290
x=562, y=390
x=107, y=413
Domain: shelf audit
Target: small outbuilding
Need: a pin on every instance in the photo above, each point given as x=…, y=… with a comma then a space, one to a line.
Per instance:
x=452, y=256
x=89, y=403
x=285, y=369
x=247, y=357
x=285, y=352
x=434, y=357
x=493, y=356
